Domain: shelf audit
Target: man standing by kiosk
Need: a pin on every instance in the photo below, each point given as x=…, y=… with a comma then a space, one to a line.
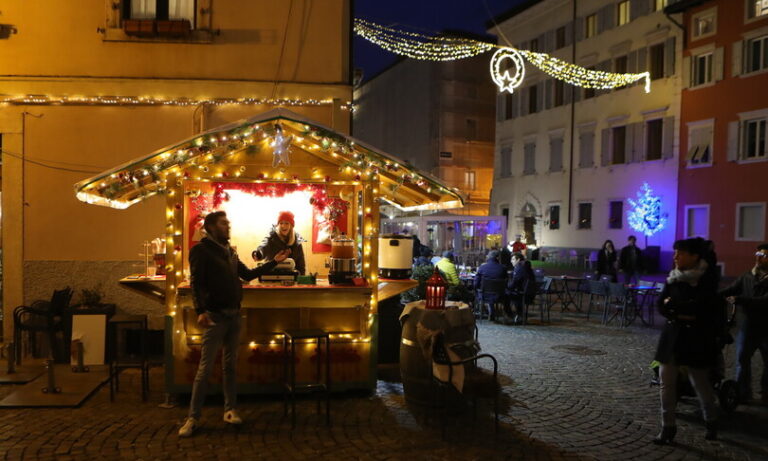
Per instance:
x=217, y=292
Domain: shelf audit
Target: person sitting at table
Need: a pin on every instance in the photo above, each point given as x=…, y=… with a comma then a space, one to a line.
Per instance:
x=448, y=268
x=606, y=261
x=282, y=237
x=491, y=269
x=425, y=257
x=521, y=288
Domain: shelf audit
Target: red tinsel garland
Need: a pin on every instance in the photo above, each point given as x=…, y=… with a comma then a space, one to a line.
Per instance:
x=319, y=196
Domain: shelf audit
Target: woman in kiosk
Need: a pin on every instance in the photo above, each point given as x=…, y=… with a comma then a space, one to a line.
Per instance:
x=283, y=237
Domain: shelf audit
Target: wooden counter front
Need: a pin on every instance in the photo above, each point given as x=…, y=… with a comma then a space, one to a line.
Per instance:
x=276, y=296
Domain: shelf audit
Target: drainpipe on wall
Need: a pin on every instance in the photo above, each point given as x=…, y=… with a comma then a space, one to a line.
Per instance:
x=573, y=118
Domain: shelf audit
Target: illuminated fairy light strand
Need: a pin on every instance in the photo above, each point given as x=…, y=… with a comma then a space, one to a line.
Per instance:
x=580, y=76
x=36, y=99
x=436, y=48
x=419, y=46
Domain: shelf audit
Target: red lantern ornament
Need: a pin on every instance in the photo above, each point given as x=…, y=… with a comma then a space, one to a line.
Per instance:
x=436, y=291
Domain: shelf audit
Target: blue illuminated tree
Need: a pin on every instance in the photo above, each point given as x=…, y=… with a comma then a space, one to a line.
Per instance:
x=646, y=214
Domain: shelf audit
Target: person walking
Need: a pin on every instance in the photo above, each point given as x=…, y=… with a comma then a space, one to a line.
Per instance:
x=216, y=273
x=606, y=260
x=689, y=338
x=630, y=261
x=750, y=293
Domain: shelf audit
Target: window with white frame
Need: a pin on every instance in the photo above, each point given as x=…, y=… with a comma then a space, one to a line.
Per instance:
x=658, y=5
x=586, y=149
x=654, y=138
x=703, y=23
x=696, y=221
x=615, y=214
x=506, y=161
x=757, y=8
x=585, y=216
x=529, y=158
x=470, y=178
x=753, y=139
x=554, y=217
x=700, y=144
x=619, y=147
x=701, y=72
x=622, y=13
x=750, y=222
x=757, y=53
x=160, y=9
x=590, y=26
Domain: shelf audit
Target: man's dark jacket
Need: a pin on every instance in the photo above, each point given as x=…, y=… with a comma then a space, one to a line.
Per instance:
x=752, y=295
x=490, y=270
x=626, y=262
x=523, y=281
x=216, y=273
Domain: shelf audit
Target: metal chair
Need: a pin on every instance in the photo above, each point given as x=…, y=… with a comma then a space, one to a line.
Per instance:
x=573, y=258
x=125, y=331
x=491, y=295
x=582, y=289
x=542, y=298
x=619, y=302
x=42, y=317
x=598, y=292
x=477, y=383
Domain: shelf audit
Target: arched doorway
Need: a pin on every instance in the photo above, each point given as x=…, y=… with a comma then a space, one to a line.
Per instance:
x=528, y=215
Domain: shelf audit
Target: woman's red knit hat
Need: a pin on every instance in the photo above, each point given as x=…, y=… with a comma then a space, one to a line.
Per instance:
x=286, y=216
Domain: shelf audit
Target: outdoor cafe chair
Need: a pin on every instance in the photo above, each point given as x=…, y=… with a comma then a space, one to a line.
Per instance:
x=478, y=382
x=539, y=275
x=582, y=289
x=42, y=317
x=619, y=302
x=540, y=300
x=573, y=258
x=491, y=295
x=598, y=293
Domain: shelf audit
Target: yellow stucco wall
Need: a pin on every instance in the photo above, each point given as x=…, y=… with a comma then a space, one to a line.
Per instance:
x=265, y=49
x=60, y=38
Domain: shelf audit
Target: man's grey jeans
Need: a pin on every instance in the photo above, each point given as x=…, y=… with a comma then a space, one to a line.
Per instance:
x=225, y=333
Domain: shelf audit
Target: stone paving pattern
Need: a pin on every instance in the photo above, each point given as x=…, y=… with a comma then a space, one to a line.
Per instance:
x=557, y=405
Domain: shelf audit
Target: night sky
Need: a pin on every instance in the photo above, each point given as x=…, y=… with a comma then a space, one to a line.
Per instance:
x=425, y=16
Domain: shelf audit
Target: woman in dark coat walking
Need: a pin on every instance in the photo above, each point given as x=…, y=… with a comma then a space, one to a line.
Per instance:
x=606, y=260
x=693, y=310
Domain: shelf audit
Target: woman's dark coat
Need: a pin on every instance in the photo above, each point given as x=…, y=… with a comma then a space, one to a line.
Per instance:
x=272, y=244
x=606, y=264
x=691, y=342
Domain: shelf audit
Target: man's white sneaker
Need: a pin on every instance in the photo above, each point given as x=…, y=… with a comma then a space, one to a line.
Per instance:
x=231, y=417
x=189, y=427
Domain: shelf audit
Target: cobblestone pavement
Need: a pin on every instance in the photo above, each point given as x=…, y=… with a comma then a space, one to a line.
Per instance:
x=572, y=390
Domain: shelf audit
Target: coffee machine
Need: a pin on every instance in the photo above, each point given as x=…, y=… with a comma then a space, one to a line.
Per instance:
x=342, y=263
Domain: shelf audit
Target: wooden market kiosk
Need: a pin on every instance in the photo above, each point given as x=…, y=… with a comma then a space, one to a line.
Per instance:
x=252, y=169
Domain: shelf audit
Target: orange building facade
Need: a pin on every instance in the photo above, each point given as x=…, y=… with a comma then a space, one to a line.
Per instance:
x=724, y=116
